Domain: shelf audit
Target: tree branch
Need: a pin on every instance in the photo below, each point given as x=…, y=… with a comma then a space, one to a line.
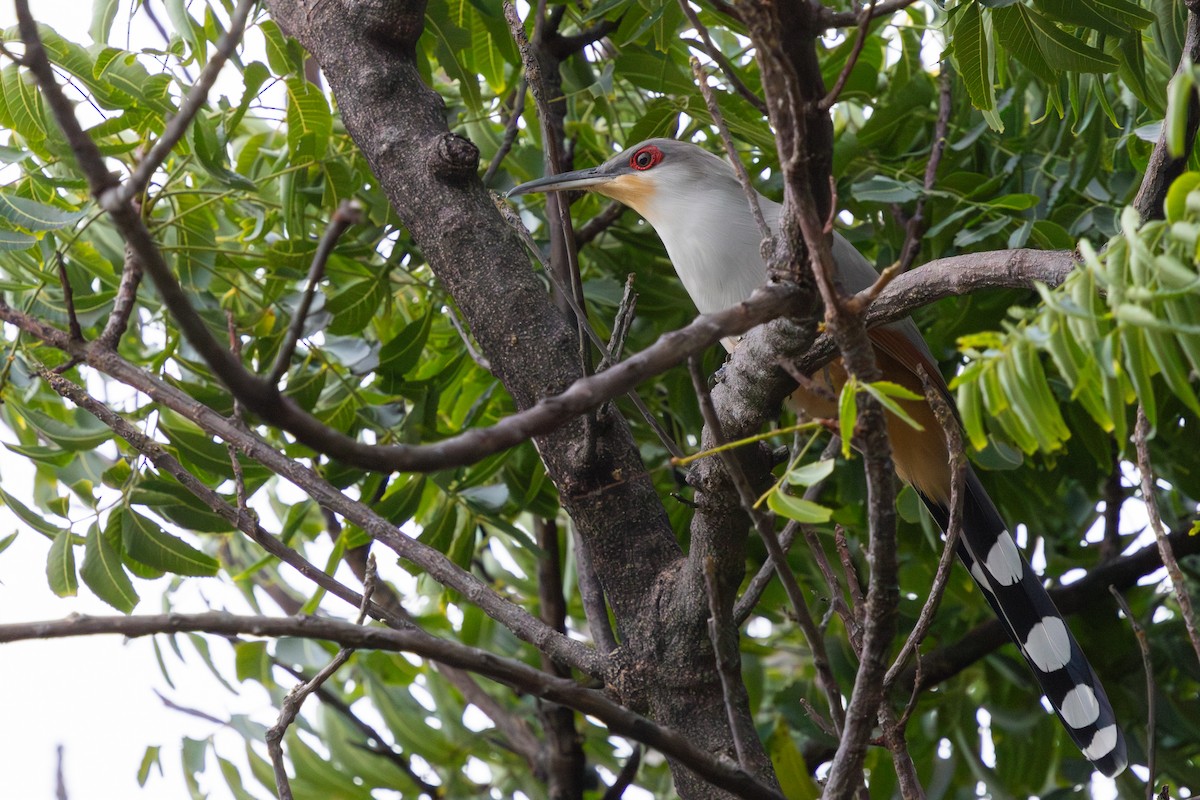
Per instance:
x=348, y=213
x=511, y=672
x=193, y=101
x=295, y=698
x=1149, y=488
x=439, y=567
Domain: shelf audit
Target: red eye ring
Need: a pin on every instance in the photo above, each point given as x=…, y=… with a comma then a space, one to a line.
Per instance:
x=645, y=158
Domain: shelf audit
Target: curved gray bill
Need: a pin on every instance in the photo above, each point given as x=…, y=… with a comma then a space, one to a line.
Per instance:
x=579, y=179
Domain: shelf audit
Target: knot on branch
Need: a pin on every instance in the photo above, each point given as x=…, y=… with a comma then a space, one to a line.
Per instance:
x=457, y=158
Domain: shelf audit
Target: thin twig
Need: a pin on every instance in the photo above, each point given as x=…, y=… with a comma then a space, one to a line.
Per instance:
x=599, y=223
x=189, y=107
x=510, y=132
x=1148, y=667
x=592, y=594
x=858, y=600
x=958, y=474
x=191, y=712
x=515, y=222
x=60, y=781
x=1140, y=435
x=724, y=63
x=73, y=328
x=917, y=224
x=380, y=746
x=1114, y=498
x=864, y=23
x=562, y=756
x=724, y=644
x=125, y=301
x=235, y=462
x=625, y=777
x=763, y=523
x=714, y=110
x=479, y=358
x=622, y=321
x=296, y=697
x=348, y=213
x=837, y=601
x=843, y=19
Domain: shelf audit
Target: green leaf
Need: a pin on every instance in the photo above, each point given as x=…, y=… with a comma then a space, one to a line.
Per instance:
x=881, y=189
x=1016, y=202
x=26, y=112
x=398, y=357
x=847, y=415
x=104, y=573
x=439, y=533
x=278, y=56
x=30, y=517
x=147, y=543
x=798, y=509
x=813, y=472
x=83, y=432
x=354, y=304
x=171, y=500
x=790, y=768
x=309, y=122
x=103, y=14
x=5, y=541
x=1179, y=97
x=973, y=57
x=34, y=216
x=150, y=760
x=885, y=400
x=1114, y=17
x=14, y=240
x=186, y=27
x=252, y=662
x=60, y=565
x=1045, y=48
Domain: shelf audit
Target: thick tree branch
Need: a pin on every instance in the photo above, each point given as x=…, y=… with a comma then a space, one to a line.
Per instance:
x=510, y=672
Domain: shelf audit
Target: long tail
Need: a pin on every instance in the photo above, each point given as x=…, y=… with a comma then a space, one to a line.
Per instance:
x=1037, y=627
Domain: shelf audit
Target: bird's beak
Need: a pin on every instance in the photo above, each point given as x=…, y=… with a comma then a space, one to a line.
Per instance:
x=579, y=179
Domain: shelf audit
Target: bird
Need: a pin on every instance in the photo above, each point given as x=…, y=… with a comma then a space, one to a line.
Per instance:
x=696, y=204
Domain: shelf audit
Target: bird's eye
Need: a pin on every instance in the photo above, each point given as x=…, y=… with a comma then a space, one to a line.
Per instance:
x=645, y=158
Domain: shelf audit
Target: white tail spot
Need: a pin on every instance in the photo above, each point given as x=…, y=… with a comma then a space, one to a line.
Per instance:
x=1079, y=708
x=1004, y=560
x=1102, y=743
x=1049, y=644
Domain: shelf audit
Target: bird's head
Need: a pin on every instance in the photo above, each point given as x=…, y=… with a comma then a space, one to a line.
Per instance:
x=654, y=178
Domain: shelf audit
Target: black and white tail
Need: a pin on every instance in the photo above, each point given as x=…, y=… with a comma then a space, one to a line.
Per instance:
x=1036, y=626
